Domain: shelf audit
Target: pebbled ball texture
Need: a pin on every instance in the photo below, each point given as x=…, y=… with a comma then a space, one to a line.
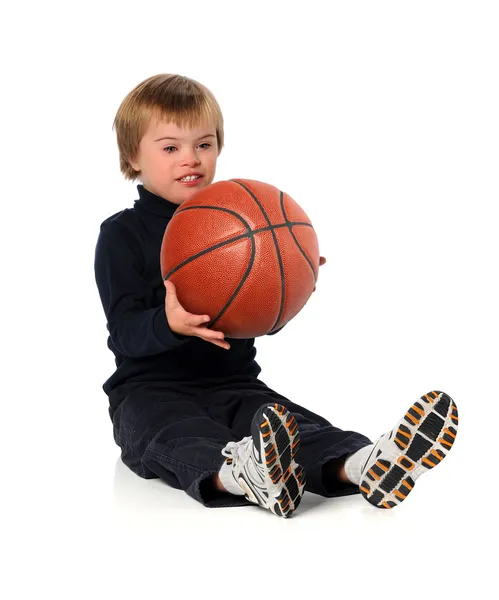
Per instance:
x=243, y=252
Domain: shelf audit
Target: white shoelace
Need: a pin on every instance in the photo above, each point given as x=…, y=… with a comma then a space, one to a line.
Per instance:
x=239, y=450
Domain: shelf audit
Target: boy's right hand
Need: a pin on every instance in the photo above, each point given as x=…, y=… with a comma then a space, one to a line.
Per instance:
x=185, y=323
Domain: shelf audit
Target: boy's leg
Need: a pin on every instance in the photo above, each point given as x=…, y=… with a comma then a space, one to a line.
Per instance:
x=337, y=462
x=163, y=432
x=322, y=449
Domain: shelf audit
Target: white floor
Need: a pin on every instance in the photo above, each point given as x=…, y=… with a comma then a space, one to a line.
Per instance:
x=82, y=525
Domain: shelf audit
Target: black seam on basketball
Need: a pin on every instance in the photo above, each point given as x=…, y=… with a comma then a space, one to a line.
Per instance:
x=294, y=237
x=248, y=268
x=206, y=251
x=241, y=283
x=250, y=234
x=276, y=244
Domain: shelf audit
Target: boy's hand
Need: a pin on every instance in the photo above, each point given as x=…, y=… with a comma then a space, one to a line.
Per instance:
x=322, y=260
x=185, y=323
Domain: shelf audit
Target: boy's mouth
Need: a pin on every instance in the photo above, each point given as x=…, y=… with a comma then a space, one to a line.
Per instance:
x=191, y=175
x=191, y=181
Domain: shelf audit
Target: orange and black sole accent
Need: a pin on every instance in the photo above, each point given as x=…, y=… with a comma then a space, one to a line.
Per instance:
x=280, y=442
x=423, y=437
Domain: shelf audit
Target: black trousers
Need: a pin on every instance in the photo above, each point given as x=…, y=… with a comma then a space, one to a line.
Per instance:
x=176, y=431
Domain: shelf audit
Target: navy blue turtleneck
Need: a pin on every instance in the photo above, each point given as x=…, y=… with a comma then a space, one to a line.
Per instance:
x=131, y=288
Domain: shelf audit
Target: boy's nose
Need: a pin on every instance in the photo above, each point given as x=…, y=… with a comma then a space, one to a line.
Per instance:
x=191, y=159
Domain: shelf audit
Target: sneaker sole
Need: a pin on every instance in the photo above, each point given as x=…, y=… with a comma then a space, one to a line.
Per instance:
x=420, y=441
x=275, y=435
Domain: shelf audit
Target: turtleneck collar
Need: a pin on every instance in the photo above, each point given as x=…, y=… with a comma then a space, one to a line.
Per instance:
x=154, y=204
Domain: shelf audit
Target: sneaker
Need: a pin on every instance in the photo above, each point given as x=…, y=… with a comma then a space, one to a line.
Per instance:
x=418, y=442
x=263, y=465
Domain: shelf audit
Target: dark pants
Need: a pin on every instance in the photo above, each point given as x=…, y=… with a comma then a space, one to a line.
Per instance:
x=176, y=431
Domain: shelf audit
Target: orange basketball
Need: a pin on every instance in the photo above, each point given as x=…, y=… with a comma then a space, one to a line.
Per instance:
x=244, y=253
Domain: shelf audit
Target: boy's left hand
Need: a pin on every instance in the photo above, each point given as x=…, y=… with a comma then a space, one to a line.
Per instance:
x=322, y=260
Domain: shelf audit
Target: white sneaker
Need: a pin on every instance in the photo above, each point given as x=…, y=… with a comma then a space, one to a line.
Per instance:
x=263, y=465
x=418, y=442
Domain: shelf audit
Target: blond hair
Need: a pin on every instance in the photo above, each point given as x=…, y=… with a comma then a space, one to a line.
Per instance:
x=170, y=98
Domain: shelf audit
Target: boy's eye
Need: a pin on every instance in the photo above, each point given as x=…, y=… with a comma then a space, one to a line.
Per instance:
x=168, y=147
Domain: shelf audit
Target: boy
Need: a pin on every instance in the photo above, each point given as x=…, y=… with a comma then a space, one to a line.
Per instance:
x=186, y=404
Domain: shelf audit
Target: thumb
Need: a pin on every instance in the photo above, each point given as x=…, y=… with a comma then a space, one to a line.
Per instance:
x=171, y=290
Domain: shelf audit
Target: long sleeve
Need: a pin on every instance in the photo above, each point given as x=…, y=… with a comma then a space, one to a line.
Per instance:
x=136, y=325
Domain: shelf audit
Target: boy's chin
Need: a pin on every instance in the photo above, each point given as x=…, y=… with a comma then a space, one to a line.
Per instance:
x=188, y=194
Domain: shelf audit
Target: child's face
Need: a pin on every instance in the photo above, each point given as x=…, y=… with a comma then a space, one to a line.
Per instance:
x=163, y=162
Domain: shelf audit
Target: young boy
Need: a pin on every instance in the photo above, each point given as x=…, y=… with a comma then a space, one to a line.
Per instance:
x=186, y=404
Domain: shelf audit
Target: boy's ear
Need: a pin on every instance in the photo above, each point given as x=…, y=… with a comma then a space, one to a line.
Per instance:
x=134, y=165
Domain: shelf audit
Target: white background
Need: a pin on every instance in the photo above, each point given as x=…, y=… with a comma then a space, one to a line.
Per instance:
x=381, y=120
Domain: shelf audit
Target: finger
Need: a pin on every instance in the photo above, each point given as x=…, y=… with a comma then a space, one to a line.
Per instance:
x=322, y=261
x=224, y=345
x=171, y=290
x=196, y=320
x=215, y=337
x=208, y=334
x=171, y=300
x=218, y=340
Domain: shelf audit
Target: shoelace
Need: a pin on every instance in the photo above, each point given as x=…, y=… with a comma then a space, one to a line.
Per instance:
x=239, y=449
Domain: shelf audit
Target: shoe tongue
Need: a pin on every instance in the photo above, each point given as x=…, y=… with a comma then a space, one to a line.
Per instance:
x=244, y=444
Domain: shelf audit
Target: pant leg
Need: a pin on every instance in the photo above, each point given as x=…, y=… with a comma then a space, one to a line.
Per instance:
x=234, y=403
x=163, y=432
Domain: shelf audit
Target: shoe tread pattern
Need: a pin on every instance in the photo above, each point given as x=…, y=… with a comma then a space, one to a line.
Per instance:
x=423, y=437
x=280, y=440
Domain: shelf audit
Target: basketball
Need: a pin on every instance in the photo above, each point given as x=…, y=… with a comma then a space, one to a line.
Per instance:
x=244, y=253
